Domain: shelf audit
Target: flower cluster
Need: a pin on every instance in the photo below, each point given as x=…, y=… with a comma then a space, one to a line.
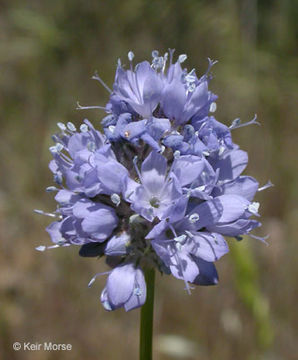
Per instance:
x=161, y=187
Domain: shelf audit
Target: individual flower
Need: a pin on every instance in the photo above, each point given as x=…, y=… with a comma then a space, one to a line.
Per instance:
x=125, y=287
x=139, y=87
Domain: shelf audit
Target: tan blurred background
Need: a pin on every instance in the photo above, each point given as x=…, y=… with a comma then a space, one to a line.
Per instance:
x=48, y=52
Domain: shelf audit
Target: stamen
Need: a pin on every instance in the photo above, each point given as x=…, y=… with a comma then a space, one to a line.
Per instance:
x=137, y=291
x=194, y=218
x=71, y=126
x=180, y=239
x=135, y=159
x=221, y=150
x=56, y=148
x=91, y=146
x=84, y=128
x=61, y=126
x=165, y=59
x=79, y=107
x=182, y=58
x=51, y=189
x=130, y=56
x=155, y=53
x=41, y=212
x=266, y=186
x=115, y=198
x=96, y=275
x=162, y=149
x=190, y=87
x=107, y=305
x=112, y=128
x=177, y=154
x=96, y=77
x=42, y=248
x=254, y=207
x=213, y=107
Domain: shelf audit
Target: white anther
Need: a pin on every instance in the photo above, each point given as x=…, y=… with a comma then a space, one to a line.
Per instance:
x=130, y=55
x=115, y=198
x=107, y=305
x=235, y=123
x=137, y=291
x=59, y=147
x=51, y=189
x=177, y=154
x=40, y=248
x=194, y=218
x=254, y=207
x=61, y=126
x=182, y=58
x=84, y=128
x=191, y=87
x=71, y=126
x=53, y=149
x=213, y=107
x=91, y=146
x=111, y=128
x=180, y=238
x=190, y=78
x=155, y=53
x=221, y=150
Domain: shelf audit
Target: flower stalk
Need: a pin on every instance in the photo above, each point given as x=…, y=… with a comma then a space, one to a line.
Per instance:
x=146, y=321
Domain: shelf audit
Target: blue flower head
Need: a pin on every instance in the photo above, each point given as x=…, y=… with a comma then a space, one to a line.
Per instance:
x=160, y=187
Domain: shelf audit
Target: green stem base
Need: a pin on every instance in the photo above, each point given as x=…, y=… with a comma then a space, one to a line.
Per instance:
x=146, y=324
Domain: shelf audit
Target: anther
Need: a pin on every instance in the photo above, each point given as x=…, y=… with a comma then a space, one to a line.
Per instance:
x=115, y=198
x=194, y=218
x=71, y=126
x=130, y=55
x=182, y=58
x=84, y=128
x=213, y=107
x=61, y=126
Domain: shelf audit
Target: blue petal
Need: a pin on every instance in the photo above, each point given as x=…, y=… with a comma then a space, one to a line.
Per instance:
x=120, y=285
x=208, y=246
x=208, y=274
x=245, y=186
x=139, y=293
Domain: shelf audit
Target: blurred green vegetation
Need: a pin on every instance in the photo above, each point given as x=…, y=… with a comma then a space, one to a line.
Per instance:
x=48, y=52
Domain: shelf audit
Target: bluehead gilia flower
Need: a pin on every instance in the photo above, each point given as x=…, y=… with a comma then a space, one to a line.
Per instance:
x=161, y=187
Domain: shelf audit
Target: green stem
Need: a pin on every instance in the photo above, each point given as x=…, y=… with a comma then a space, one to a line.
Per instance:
x=146, y=324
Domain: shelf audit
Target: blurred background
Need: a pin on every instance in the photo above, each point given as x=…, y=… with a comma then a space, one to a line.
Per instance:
x=48, y=52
